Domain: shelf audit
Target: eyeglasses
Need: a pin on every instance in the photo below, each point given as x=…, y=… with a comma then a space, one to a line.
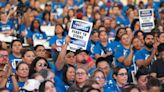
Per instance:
x=1, y=55
x=100, y=78
x=42, y=65
x=123, y=74
x=80, y=73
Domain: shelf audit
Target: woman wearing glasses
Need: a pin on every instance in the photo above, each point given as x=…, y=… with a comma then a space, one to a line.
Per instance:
x=21, y=74
x=80, y=79
x=120, y=75
x=98, y=80
x=38, y=64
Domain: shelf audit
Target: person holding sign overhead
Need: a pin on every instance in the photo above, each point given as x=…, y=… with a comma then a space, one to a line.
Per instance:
x=57, y=41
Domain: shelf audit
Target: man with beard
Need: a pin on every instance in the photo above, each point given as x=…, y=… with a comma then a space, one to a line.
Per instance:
x=158, y=66
x=145, y=56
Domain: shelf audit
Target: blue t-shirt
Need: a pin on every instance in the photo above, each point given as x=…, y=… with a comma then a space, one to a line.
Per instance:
x=90, y=47
x=11, y=87
x=36, y=35
x=57, y=41
x=110, y=83
x=101, y=50
x=121, y=51
x=142, y=54
x=115, y=44
x=14, y=61
x=60, y=86
x=6, y=27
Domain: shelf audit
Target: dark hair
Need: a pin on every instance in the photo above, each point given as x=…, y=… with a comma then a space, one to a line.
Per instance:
x=134, y=23
x=24, y=51
x=64, y=71
x=88, y=88
x=13, y=41
x=61, y=27
x=117, y=69
x=94, y=31
x=129, y=87
x=101, y=59
x=44, y=14
x=141, y=71
x=146, y=34
x=39, y=45
x=153, y=82
x=160, y=33
x=2, y=89
x=32, y=26
x=18, y=65
x=43, y=84
x=33, y=65
x=123, y=35
x=161, y=47
x=136, y=33
x=101, y=32
x=116, y=37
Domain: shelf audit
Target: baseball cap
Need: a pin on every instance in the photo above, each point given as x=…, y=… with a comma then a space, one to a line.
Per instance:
x=31, y=84
x=81, y=50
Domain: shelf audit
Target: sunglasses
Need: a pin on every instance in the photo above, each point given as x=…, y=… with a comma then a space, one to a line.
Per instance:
x=43, y=65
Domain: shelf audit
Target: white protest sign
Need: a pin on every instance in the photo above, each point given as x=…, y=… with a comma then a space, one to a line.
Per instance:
x=49, y=30
x=79, y=33
x=5, y=38
x=146, y=18
x=43, y=42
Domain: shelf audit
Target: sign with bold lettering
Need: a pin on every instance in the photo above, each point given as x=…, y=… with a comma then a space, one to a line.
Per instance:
x=146, y=18
x=79, y=33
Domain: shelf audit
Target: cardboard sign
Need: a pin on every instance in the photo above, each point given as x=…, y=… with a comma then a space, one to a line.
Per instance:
x=49, y=30
x=146, y=18
x=79, y=32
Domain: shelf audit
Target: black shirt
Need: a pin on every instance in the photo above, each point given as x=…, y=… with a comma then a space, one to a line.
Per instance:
x=158, y=67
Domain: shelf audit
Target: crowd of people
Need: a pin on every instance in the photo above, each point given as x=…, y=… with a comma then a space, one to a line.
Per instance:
x=120, y=56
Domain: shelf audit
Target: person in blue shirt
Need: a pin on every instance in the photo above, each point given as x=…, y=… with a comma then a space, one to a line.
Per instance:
x=120, y=75
x=98, y=78
x=124, y=54
x=6, y=27
x=68, y=75
x=37, y=65
x=116, y=42
x=35, y=32
x=15, y=56
x=24, y=27
x=92, y=42
x=40, y=51
x=22, y=72
x=103, y=64
x=112, y=32
x=103, y=47
x=137, y=45
x=57, y=41
x=46, y=21
x=145, y=56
